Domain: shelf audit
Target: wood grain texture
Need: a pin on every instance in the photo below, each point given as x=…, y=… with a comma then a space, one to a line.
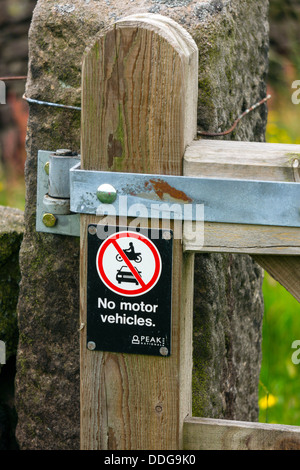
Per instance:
x=241, y=160
x=243, y=239
x=139, y=83
x=284, y=269
x=219, y=434
x=253, y=161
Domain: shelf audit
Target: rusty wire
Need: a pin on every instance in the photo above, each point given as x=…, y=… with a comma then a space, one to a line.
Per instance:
x=228, y=131
x=18, y=77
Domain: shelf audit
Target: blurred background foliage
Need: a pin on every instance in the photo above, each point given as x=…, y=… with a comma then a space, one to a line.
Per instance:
x=15, y=17
x=279, y=391
x=279, y=396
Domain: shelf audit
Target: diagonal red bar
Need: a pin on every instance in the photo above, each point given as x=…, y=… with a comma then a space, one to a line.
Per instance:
x=129, y=264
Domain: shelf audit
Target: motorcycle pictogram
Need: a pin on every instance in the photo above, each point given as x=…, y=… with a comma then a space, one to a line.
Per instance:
x=131, y=254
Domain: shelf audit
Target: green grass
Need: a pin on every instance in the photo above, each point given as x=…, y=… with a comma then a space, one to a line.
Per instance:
x=279, y=376
x=283, y=122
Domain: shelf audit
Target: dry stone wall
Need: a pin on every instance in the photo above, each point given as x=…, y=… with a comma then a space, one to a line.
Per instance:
x=11, y=234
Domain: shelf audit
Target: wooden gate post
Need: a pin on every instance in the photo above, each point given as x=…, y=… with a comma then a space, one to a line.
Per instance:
x=139, y=107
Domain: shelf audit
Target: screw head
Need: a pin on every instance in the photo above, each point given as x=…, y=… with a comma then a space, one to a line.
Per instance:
x=91, y=345
x=49, y=220
x=167, y=235
x=106, y=193
x=92, y=230
x=163, y=351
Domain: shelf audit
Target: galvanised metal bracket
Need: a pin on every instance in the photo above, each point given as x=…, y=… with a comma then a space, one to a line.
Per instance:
x=178, y=197
x=161, y=196
x=53, y=213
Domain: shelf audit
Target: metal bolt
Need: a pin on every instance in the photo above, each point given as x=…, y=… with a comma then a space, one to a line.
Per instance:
x=92, y=230
x=106, y=193
x=49, y=219
x=46, y=168
x=64, y=153
x=167, y=235
x=163, y=351
x=91, y=345
x=56, y=206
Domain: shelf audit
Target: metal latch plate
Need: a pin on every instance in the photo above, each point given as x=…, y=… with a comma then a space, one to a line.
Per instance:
x=178, y=197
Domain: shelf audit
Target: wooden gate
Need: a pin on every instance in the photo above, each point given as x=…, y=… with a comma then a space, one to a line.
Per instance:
x=139, y=115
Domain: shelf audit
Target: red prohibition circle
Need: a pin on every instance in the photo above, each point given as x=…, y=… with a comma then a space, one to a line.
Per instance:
x=145, y=287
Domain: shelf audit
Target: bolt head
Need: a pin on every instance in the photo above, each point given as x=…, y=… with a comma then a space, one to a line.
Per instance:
x=91, y=345
x=49, y=220
x=92, y=230
x=64, y=152
x=163, y=351
x=106, y=193
x=167, y=235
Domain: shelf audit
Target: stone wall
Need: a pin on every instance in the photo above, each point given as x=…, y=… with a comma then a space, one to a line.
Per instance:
x=232, y=37
x=11, y=234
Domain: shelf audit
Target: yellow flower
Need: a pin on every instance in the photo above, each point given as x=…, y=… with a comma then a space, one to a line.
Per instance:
x=267, y=401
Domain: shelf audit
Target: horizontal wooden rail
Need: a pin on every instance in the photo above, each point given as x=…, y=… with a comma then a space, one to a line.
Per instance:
x=252, y=161
x=243, y=239
x=219, y=434
x=243, y=160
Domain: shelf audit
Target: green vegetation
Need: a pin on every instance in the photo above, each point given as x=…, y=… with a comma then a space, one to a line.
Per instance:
x=12, y=189
x=279, y=380
x=279, y=388
x=283, y=121
x=279, y=397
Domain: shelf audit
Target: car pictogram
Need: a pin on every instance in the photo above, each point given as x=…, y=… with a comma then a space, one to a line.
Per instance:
x=125, y=275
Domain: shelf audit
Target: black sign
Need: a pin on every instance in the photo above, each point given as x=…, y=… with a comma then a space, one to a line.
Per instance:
x=129, y=279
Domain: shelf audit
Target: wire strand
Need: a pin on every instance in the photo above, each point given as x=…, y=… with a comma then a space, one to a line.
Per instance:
x=78, y=108
x=228, y=131
x=47, y=103
x=19, y=77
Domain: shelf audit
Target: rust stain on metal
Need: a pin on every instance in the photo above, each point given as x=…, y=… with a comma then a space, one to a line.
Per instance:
x=161, y=187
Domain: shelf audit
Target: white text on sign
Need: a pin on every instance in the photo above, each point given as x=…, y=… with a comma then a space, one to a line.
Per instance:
x=128, y=306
